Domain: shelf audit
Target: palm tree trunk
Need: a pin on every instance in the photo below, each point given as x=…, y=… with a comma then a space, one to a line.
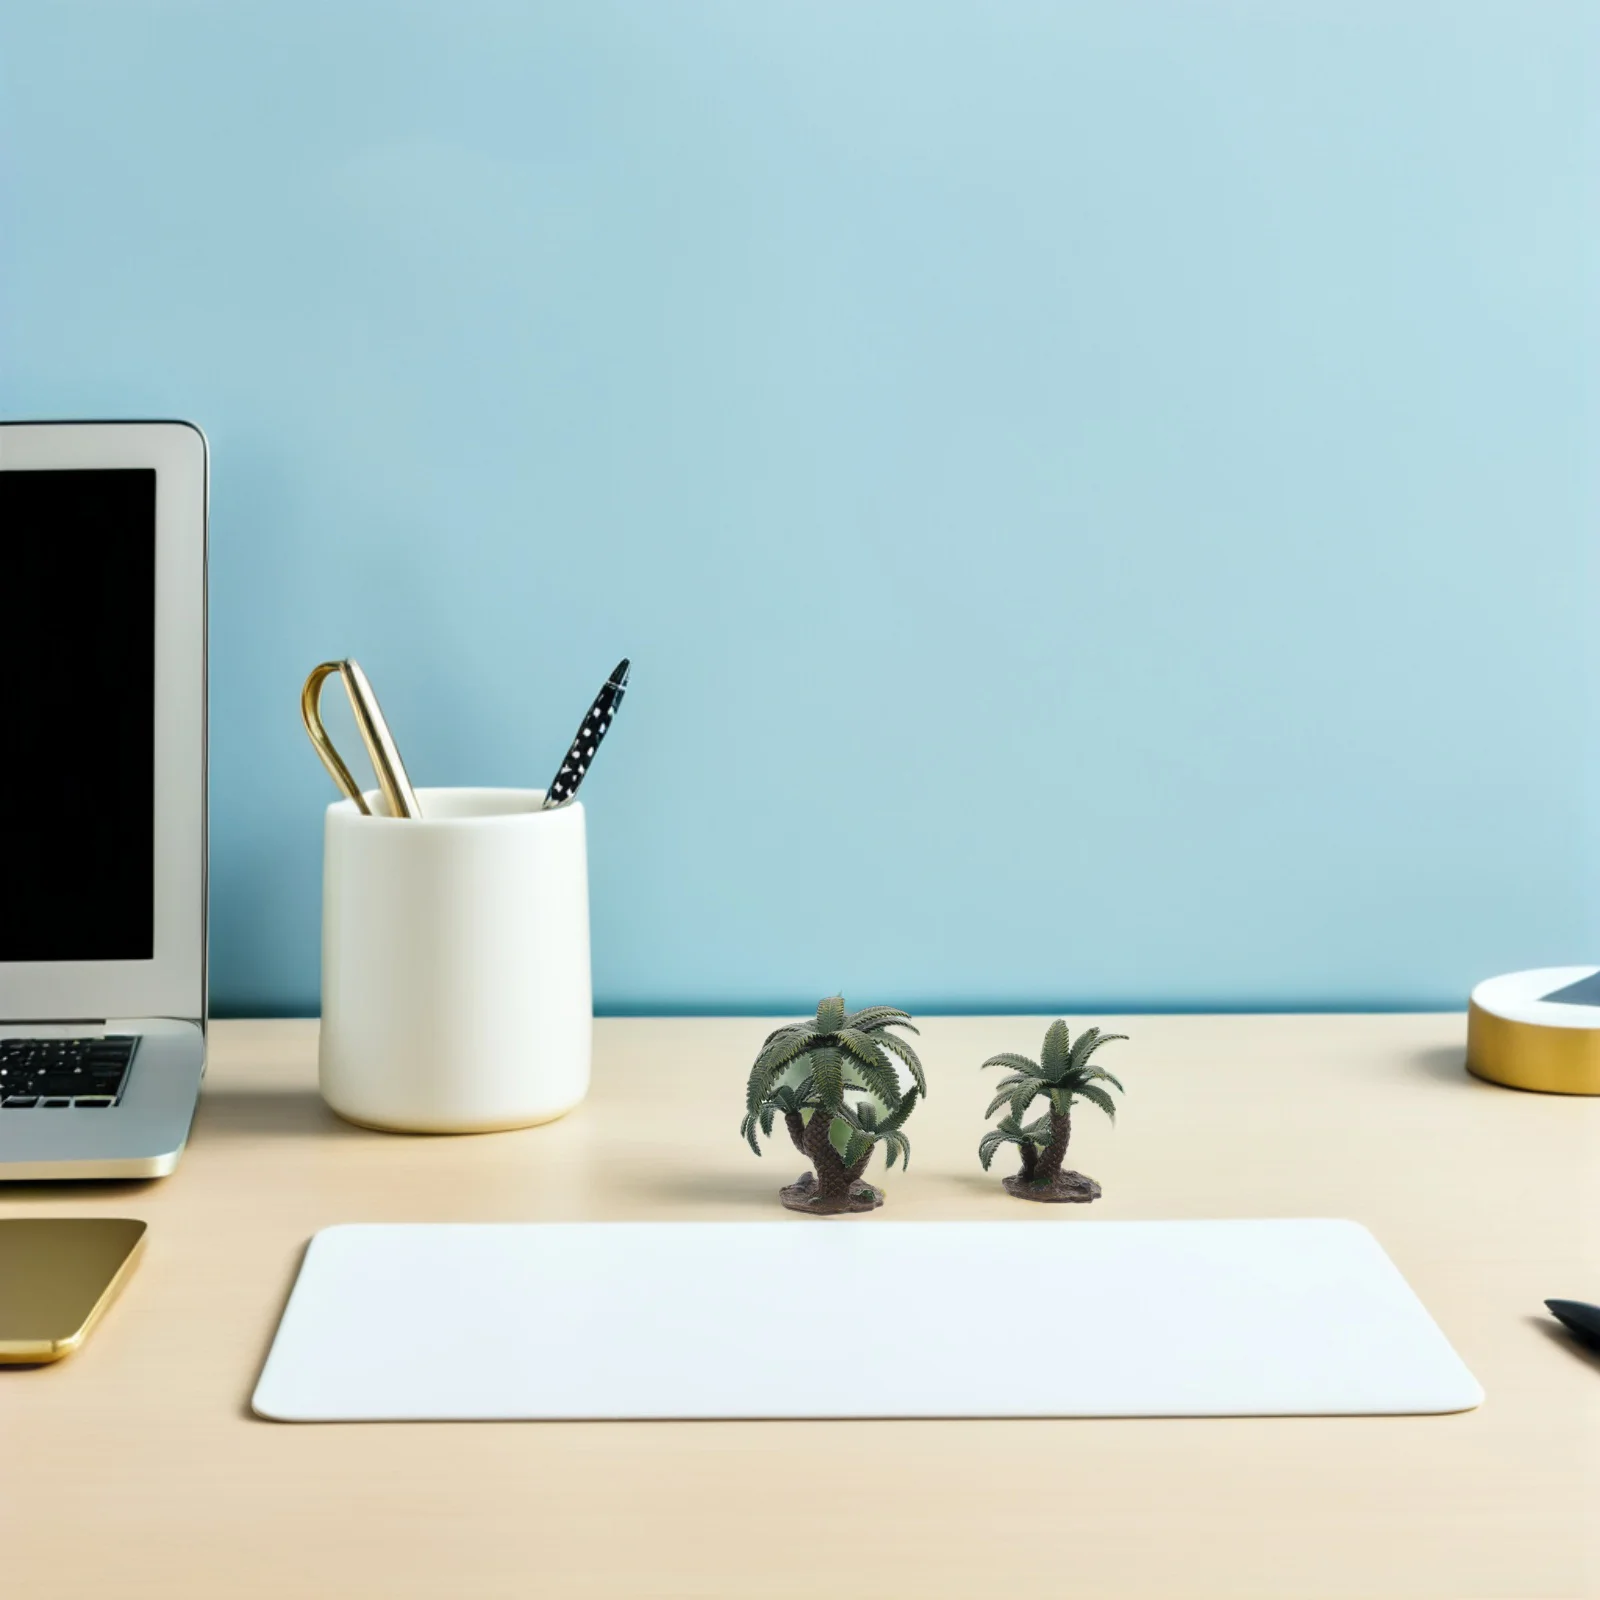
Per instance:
x=1030, y=1160
x=1049, y=1168
x=833, y=1178
x=796, y=1124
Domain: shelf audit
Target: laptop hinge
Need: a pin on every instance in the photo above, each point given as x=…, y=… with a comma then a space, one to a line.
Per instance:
x=76, y=1028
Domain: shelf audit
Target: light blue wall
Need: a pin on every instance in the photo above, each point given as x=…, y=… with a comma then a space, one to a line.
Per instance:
x=1100, y=498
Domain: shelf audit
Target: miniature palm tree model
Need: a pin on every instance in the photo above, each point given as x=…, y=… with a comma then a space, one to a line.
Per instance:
x=804, y=1073
x=1062, y=1074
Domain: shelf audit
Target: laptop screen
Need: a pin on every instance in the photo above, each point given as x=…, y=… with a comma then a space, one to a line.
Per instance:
x=77, y=741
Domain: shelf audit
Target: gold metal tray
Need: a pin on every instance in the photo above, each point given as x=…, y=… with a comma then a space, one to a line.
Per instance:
x=57, y=1276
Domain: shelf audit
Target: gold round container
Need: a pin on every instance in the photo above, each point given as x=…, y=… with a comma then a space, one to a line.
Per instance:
x=1517, y=1037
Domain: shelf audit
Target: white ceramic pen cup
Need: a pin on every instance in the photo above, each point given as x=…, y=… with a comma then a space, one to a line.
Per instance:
x=455, y=962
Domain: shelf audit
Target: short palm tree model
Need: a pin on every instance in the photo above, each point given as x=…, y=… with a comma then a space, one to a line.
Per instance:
x=804, y=1073
x=1063, y=1073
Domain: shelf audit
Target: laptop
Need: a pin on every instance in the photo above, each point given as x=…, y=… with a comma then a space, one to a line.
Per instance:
x=102, y=796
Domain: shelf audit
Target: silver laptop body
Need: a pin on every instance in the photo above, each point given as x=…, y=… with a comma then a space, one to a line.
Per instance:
x=102, y=796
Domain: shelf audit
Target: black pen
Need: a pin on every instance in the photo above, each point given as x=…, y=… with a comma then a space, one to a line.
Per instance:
x=1578, y=1319
x=576, y=761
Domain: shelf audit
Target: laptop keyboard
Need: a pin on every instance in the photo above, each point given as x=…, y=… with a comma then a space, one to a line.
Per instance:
x=44, y=1074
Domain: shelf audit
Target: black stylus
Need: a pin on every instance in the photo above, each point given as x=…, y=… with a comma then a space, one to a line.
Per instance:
x=1579, y=1319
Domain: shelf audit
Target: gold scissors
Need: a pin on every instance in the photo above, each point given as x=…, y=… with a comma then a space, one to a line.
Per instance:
x=390, y=771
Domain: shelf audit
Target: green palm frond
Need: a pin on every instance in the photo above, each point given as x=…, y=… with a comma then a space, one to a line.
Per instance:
x=1003, y=1098
x=830, y=1014
x=774, y=1060
x=871, y=1018
x=866, y=1123
x=1093, y=1075
x=897, y=1118
x=786, y=1044
x=896, y=1144
x=895, y=1043
x=879, y=1092
x=1010, y=1058
x=1088, y=1042
x=1039, y=1132
x=1024, y=1095
x=758, y=1088
x=871, y=1065
x=791, y=1047
x=1007, y=1133
x=1010, y=1130
x=867, y=1118
x=1080, y=1049
x=1007, y=1087
x=856, y=1146
x=988, y=1145
x=1053, y=1057
x=1018, y=1078
x=827, y=1072
x=1097, y=1096
x=784, y=1100
x=862, y=1046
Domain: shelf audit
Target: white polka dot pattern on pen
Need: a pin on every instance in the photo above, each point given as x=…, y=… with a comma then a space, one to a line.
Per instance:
x=575, y=764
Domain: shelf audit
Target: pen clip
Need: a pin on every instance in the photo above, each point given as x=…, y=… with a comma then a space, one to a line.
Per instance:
x=387, y=766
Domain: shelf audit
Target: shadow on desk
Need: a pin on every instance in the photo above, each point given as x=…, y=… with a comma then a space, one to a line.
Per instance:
x=1556, y=1334
x=270, y=1113
x=1448, y=1063
x=701, y=1188
x=57, y=1189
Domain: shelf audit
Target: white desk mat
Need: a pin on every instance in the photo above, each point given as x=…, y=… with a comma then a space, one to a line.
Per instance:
x=858, y=1317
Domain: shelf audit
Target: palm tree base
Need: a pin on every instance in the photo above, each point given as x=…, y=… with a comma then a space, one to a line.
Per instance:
x=1065, y=1187
x=801, y=1195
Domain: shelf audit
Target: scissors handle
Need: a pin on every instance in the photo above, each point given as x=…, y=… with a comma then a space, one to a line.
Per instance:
x=387, y=766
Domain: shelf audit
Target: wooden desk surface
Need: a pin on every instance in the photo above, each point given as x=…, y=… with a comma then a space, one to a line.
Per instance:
x=135, y=1467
